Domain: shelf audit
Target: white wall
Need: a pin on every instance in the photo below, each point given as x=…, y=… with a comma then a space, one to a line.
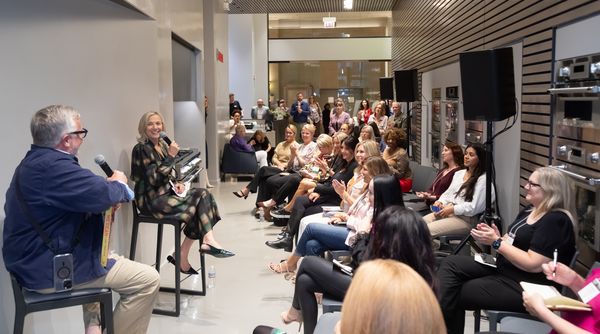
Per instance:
x=506, y=152
x=577, y=39
x=248, y=63
x=377, y=48
x=96, y=56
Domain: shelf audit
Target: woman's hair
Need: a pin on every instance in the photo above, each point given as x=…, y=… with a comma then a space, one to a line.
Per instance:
x=469, y=185
x=327, y=106
x=142, y=138
x=292, y=128
x=361, y=105
x=368, y=129
x=50, y=124
x=311, y=128
x=341, y=136
x=240, y=128
x=557, y=190
x=387, y=296
x=457, y=154
x=387, y=192
x=371, y=148
x=324, y=141
x=375, y=128
x=402, y=168
x=376, y=166
x=397, y=135
x=260, y=133
x=401, y=234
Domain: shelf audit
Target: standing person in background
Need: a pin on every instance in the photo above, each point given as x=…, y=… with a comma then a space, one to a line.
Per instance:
x=233, y=104
x=364, y=112
x=326, y=116
x=300, y=112
x=397, y=119
x=338, y=117
x=50, y=189
x=260, y=111
x=315, y=115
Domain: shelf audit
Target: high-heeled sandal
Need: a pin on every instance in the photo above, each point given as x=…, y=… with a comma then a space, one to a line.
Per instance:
x=240, y=194
x=279, y=268
x=190, y=271
x=287, y=319
x=265, y=205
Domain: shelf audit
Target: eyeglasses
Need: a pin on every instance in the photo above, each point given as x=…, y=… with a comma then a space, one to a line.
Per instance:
x=532, y=184
x=81, y=133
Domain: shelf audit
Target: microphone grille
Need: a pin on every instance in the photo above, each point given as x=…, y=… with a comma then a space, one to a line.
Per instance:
x=99, y=159
x=162, y=134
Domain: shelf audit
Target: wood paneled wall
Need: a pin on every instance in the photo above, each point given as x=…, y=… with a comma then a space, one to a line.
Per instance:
x=428, y=34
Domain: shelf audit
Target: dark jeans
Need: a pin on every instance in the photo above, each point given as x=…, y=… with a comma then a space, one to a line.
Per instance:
x=317, y=275
x=304, y=207
x=468, y=285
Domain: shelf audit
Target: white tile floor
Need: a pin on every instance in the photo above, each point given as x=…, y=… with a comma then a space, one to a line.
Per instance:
x=246, y=294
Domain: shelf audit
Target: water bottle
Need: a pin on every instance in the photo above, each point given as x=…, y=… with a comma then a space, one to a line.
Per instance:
x=261, y=215
x=212, y=274
x=277, y=331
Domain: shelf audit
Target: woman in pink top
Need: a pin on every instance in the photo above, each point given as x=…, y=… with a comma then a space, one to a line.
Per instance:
x=572, y=322
x=338, y=117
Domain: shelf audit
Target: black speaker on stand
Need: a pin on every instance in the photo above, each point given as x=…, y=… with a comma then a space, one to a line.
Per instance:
x=407, y=90
x=488, y=86
x=386, y=88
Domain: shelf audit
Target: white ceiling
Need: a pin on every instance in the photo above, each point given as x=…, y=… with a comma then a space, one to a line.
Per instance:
x=306, y=6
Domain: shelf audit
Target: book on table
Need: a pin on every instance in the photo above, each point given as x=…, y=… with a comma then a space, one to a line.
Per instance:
x=553, y=299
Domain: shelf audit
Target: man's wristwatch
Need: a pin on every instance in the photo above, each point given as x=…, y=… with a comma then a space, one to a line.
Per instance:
x=496, y=243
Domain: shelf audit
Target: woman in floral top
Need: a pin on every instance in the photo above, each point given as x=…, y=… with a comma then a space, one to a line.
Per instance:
x=159, y=193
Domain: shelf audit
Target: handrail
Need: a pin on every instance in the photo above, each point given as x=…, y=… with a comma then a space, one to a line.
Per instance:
x=589, y=180
x=567, y=90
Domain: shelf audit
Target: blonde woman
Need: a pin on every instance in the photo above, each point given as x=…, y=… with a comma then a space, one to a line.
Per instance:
x=540, y=230
x=388, y=296
x=379, y=118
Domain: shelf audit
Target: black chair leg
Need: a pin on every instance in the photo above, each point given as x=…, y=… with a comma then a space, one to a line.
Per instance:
x=19, y=322
x=159, y=235
x=477, y=320
x=107, y=315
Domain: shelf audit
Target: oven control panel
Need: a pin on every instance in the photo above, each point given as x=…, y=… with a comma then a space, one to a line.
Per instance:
x=581, y=155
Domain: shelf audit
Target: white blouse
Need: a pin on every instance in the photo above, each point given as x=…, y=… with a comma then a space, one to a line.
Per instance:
x=461, y=206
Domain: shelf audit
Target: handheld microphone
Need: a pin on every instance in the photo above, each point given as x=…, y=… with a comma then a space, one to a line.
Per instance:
x=99, y=159
x=164, y=137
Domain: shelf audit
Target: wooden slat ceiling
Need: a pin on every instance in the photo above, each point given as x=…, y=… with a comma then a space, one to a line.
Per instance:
x=306, y=6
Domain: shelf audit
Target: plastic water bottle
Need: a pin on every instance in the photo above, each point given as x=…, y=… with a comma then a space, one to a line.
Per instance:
x=212, y=274
x=261, y=215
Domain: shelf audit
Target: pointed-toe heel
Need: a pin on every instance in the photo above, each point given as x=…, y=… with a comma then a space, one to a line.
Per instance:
x=216, y=252
x=190, y=271
x=240, y=194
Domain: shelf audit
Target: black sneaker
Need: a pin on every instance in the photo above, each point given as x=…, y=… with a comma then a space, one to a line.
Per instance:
x=280, y=213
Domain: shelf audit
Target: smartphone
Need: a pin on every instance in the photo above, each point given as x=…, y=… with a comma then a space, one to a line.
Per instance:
x=435, y=209
x=63, y=272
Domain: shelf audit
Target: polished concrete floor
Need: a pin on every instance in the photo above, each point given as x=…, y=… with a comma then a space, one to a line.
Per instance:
x=246, y=293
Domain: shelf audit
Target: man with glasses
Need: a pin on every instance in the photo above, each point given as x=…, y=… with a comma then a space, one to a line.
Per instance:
x=54, y=209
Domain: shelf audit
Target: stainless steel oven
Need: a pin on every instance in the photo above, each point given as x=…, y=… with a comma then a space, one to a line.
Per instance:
x=576, y=141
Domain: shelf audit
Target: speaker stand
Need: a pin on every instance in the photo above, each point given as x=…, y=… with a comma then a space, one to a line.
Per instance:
x=489, y=215
x=408, y=129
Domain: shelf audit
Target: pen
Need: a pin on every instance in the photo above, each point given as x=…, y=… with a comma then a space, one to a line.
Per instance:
x=555, y=259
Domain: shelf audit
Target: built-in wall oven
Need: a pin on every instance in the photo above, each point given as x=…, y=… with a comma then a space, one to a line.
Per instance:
x=576, y=142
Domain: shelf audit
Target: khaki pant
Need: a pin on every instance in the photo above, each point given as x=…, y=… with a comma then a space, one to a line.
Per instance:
x=453, y=225
x=138, y=286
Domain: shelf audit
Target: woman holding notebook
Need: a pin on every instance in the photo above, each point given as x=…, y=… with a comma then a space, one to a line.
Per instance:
x=531, y=240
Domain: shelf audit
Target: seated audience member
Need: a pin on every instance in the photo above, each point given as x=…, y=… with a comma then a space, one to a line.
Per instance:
x=158, y=193
x=396, y=141
x=398, y=234
x=299, y=157
x=323, y=194
x=318, y=238
x=260, y=142
x=464, y=199
x=50, y=190
x=280, y=160
x=378, y=117
x=547, y=225
x=236, y=119
x=389, y=297
x=572, y=322
x=453, y=161
x=238, y=143
x=338, y=117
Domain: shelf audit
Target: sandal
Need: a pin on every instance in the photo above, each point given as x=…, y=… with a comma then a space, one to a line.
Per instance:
x=279, y=268
x=291, y=276
x=240, y=194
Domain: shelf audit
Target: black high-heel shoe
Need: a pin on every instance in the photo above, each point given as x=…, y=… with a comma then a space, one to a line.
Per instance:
x=240, y=194
x=190, y=271
x=216, y=252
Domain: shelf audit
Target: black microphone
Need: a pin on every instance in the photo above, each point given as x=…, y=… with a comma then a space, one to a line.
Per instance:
x=99, y=159
x=164, y=137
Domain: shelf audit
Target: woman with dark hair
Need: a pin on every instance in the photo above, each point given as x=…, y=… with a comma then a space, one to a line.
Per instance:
x=459, y=206
x=398, y=233
x=453, y=160
x=364, y=112
x=260, y=142
x=338, y=117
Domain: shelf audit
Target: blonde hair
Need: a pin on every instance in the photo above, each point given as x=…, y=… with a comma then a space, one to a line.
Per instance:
x=324, y=141
x=371, y=148
x=387, y=296
x=557, y=190
x=310, y=128
x=292, y=128
x=142, y=125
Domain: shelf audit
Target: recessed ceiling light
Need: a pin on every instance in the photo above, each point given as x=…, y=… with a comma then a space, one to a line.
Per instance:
x=348, y=4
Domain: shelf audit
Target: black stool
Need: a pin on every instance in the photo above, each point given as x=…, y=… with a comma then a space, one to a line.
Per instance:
x=27, y=301
x=139, y=218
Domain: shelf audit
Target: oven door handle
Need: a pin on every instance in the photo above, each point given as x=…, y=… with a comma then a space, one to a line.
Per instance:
x=568, y=90
x=588, y=180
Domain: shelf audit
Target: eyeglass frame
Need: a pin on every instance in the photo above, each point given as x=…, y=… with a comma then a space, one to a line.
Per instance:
x=83, y=131
x=533, y=184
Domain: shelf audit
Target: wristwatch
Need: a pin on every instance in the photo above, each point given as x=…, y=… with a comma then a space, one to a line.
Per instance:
x=496, y=243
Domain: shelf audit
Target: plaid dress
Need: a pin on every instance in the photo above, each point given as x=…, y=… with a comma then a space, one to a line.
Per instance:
x=151, y=171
